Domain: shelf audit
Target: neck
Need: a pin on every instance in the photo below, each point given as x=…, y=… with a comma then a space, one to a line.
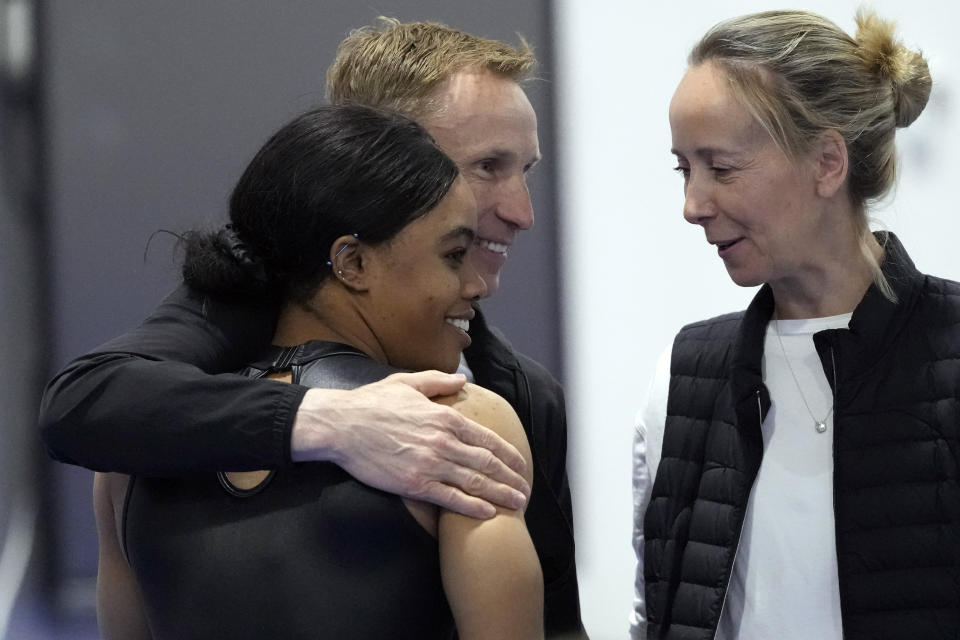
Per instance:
x=830, y=285
x=329, y=316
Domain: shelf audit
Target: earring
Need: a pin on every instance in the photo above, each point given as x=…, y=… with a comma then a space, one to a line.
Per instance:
x=342, y=249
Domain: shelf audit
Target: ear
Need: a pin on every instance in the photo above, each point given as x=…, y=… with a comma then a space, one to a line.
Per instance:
x=347, y=258
x=831, y=163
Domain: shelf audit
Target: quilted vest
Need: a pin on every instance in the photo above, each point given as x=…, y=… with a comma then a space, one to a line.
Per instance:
x=896, y=461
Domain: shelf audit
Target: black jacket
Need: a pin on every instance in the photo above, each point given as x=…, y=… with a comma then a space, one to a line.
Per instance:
x=144, y=404
x=896, y=462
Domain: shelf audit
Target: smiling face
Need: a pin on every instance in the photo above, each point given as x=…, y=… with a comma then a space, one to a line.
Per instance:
x=757, y=206
x=422, y=284
x=486, y=124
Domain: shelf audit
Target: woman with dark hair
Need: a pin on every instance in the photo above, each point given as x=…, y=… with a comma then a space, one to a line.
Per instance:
x=804, y=453
x=360, y=226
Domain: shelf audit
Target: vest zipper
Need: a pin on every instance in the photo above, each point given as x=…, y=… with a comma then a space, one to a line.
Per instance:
x=726, y=589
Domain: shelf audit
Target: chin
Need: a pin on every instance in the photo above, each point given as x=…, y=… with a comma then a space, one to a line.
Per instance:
x=745, y=279
x=443, y=359
x=443, y=363
x=450, y=365
x=492, y=280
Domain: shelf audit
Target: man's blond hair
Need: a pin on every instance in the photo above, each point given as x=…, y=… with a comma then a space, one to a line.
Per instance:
x=397, y=65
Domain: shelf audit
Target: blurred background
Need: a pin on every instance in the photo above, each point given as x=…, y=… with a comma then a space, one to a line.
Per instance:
x=119, y=118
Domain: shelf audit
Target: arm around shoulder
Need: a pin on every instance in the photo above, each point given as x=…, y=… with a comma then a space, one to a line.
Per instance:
x=490, y=568
x=149, y=393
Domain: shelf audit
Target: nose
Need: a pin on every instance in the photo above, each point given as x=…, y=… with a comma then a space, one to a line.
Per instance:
x=472, y=286
x=698, y=205
x=515, y=207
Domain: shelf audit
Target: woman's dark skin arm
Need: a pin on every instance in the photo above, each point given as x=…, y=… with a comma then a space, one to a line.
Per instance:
x=490, y=570
x=157, y=401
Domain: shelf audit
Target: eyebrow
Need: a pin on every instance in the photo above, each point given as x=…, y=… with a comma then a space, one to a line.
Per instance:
x=458, y=232
x=506, y=153
x=709, y=152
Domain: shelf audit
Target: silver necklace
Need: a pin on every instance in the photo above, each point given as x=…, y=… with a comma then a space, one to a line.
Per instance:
x=819, y=425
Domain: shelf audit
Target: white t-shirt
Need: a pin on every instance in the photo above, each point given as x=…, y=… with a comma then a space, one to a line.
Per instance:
x=784, y=580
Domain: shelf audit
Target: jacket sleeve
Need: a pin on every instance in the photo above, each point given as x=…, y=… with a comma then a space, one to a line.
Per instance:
x=158, y=400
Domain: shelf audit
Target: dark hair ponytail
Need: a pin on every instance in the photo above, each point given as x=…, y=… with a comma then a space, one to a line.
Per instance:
x=218, y=262
x=333, y=171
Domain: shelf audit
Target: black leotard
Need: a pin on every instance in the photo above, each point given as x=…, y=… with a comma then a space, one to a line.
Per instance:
x=313, y=553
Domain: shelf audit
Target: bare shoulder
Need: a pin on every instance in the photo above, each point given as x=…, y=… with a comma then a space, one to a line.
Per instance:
x=492, y=411
x=489, y=409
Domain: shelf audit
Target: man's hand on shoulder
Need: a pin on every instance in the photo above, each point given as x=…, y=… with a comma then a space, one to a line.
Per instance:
x=390, y=436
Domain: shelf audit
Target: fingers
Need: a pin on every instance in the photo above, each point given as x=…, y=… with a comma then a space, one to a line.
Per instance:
x=494, y=487
x=502, y=452
x=452, y=499
x=449, y=497
x=390, y=436
x=431, y=383
x=486, y=453
x=478, y=472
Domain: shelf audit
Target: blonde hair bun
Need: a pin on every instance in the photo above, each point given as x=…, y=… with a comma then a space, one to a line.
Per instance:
x=906, y=70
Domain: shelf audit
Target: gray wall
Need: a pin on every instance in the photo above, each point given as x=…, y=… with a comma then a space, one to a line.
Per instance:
x=154, y=110
x=23, y=323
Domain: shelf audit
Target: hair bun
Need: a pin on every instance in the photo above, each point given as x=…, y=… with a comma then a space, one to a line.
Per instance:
x=905, y=70
x=218, y=263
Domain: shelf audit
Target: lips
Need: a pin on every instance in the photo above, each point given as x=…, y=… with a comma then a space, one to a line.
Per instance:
x=460, y=323
x=490, y=257
x=725, y=247
x=495, y=247
x=461, y=319
x=726, y=244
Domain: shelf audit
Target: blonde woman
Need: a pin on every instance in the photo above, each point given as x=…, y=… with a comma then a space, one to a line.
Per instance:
x=804, y=454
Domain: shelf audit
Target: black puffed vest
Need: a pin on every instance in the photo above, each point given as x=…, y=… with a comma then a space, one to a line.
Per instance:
x=895, y=375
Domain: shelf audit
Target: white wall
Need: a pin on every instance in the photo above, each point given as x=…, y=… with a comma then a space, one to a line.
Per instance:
x=634, y=271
